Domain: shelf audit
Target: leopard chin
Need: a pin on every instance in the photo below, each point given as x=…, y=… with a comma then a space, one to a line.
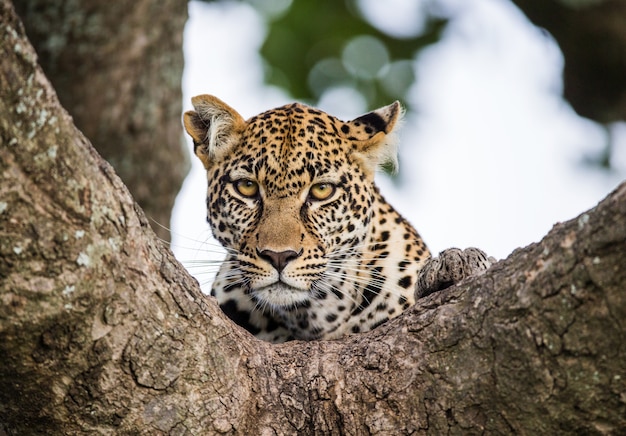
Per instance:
x=281, y=295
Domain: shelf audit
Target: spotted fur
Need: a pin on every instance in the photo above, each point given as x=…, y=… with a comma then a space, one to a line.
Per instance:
x=313, y=249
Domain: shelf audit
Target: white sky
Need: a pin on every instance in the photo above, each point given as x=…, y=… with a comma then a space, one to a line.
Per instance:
x=493, y=157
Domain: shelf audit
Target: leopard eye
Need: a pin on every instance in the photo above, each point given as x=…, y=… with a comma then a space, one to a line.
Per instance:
x=247, y=187
x=321, y=191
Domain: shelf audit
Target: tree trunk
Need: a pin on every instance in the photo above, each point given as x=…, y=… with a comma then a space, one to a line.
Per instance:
x=117, y=68
x=102, y=331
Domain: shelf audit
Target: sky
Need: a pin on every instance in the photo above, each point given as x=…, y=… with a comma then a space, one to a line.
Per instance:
x=492, y=157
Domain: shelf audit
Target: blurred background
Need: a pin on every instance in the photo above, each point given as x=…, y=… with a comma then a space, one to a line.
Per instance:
x=491, y=154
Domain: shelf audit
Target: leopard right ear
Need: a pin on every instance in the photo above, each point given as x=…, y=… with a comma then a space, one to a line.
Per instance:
x=214, y=127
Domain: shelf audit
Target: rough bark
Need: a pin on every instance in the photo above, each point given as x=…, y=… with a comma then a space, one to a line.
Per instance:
x=592, y=36
x=102, y=331
x=117, y=68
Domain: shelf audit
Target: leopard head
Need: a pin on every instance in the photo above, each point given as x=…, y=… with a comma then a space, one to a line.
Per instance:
x=290, y=191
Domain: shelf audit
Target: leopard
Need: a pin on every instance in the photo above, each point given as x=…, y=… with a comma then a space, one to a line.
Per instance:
x=313, y=250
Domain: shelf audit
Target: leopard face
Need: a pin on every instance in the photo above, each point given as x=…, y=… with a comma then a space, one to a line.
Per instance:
x=314, y=251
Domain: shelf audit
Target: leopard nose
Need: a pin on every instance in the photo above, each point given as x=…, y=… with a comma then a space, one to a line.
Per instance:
x=279, y=259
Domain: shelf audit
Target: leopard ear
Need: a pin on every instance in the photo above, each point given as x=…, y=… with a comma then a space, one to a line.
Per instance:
x=214, y=127
x=375, y=138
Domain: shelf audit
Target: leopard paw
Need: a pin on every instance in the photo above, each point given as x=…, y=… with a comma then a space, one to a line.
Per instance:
x=452, y=266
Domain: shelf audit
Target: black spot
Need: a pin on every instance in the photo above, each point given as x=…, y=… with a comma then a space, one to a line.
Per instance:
x=301, y=305
x=405, y=282
x=303, y=324
x=315, y=333
x=379, y=323
x=379, y=247
x=369, y=294
x=272, y=324
x=374, y=120
x=331, y=317
x=320, y=294
x=337, y=293
x=345, y=128
x=384, y=236
x=230, y=287
x=356, y=329
x=240, y=317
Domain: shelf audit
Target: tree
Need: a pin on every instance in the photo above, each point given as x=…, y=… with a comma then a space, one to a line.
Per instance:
x=101, y=330
x=312, y=47
x=117, y=69
x=593, y=40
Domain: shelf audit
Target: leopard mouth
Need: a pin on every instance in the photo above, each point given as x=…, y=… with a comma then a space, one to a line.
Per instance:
x=281, y=295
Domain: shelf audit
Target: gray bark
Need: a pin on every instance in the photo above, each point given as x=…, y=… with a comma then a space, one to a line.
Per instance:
x=102, y=331
x=117, y=68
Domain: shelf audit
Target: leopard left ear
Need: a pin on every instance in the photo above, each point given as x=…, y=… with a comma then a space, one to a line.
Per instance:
x=214, y=127
x=375, y=139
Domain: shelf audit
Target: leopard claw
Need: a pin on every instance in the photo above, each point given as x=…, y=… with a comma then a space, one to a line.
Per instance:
x=450, y=267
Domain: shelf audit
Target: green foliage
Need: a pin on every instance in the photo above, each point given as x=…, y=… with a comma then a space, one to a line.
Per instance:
x=314, y=46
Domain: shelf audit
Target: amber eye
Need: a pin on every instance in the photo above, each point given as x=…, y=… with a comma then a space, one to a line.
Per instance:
x=321, y=191
x=246, y=187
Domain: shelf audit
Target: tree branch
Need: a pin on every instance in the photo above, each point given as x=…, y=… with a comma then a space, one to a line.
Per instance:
x=101, y=330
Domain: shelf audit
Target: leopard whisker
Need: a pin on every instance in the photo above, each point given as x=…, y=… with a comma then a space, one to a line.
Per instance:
x=378, y=280
x=202, y=262
x=365, y=260
x=327, y=287
x=364, y=248
x=228, y=275
x=363, y=281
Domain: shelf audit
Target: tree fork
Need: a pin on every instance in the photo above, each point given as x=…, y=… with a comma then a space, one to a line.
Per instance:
x=101, y=330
